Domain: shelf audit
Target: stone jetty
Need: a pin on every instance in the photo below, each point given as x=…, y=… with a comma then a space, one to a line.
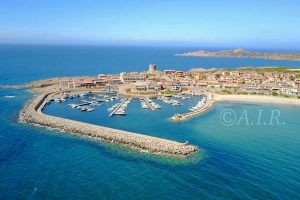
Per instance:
x=186, y=116
x=32, y=113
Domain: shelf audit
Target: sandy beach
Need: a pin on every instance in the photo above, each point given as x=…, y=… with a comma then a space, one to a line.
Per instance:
x=256, y=99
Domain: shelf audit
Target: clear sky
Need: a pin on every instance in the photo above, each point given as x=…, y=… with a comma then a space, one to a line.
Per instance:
x=239, y=23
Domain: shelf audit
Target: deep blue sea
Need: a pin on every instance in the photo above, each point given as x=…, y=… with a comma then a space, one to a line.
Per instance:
x=253, y=156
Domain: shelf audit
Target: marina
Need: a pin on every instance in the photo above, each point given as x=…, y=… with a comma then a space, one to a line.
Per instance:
x=195, y=103
x=120, y=108
x=147, y=102
x=32, y=113
x=85, y=105
x=170, y=100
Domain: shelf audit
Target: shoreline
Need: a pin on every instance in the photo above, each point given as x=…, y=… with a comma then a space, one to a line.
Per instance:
x=215, y=98
x=32, y=114
x=255, y=99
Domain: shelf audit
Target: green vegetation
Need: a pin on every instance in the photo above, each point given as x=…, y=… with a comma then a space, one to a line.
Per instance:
x=169, y=92
x=257, y=69
x=243, y=93
x=286, y=96
x=226, y=91
x=267, y=69
x=298, y=97
x=274, y=94
x=146, y=93
x=253, y=93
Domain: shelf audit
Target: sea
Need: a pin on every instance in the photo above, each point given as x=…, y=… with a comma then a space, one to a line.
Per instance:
x=247, y=150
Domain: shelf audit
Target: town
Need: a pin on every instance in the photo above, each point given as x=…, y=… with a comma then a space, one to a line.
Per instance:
x=254, y=81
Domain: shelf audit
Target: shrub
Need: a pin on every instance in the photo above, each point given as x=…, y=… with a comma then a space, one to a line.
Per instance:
x=226, y=91
x=244, y=93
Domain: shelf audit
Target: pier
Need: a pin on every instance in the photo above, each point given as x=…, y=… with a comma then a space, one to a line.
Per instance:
x=186, y=116
x=118, y=107
x=148, y=104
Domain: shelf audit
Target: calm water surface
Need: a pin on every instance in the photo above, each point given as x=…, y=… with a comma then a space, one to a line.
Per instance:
x=241, y=161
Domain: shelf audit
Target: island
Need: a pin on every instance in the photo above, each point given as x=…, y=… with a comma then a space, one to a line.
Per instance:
x=240, y=53
x=264, y=84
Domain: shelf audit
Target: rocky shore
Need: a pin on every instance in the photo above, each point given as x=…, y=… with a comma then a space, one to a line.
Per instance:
x=32, y=113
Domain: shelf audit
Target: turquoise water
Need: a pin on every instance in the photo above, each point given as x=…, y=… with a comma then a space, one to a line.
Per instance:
x=240, y=161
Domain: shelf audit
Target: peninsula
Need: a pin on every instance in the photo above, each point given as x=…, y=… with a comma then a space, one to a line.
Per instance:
x=268, y=85
x=240, y=53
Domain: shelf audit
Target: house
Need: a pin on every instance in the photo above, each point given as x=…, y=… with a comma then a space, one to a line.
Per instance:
x=169, y=72
x=67, y=83
x=175, y=87
x=179, y=74
x=132, y=77
x=84, y=82
x=147, y=86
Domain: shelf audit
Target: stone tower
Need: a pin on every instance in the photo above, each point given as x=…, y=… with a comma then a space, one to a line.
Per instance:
x=152, y=68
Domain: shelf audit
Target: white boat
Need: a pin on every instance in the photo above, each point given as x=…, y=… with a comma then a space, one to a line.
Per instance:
x=176, y=103
x=156, y=106
x=72, y=105
x=144, y=106
x=96, y=104
x=90, y=109
x=120, y=112
x=84, y=108
x=83, y=94
x=57, y=100
x=113, y=107
x=9, y=97
x=199, y=105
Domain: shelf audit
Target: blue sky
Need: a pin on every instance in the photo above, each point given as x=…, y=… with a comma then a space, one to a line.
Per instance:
x=236, y=23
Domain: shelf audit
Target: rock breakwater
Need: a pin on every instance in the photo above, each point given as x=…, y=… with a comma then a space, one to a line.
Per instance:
x=32, y=113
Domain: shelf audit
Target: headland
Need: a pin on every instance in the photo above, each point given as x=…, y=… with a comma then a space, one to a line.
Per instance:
x=240, y=53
